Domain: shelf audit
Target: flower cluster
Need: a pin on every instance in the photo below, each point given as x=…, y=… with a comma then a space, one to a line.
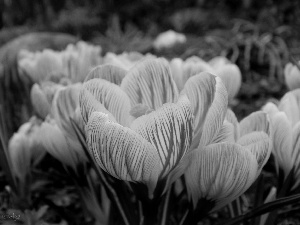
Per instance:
x=151, y=123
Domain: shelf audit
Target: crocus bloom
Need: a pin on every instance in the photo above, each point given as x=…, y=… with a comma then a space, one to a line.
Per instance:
x=220, y=66
x=73, y=63
x=126, y=60
x=143, y=129
x=285, y=133
x=292, y=76
x=25, y=149
x=41, y=96
x=40, y=64
x=57, y=134
x=168, y=39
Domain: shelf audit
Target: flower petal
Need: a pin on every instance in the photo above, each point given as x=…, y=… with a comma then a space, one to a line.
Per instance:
x=290, y=104
x=226, y=133
x=259, y=144
x=121, y=152
x=270, y=108
x=231, y=77
x=256, y=121
x=111, y=73
x=89, y=104
x=39, y=101
x=231, y=118
x=208, y=97
x=61, y=147
x=220, y=173
x=169, y=129
x=292, y=76
x=282, y=141
x=150, y=83
x=63, y=108
x=296, y=153
x=113, y=98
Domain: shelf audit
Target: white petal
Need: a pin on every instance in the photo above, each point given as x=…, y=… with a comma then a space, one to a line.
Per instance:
x=292, y=76
x=169, y=129
x=121, y=152
x=39, y=101
x=150, y=83
x=89, y=104
x=231, y=118
x=111, y=73
x=220, y=173
x=282, y=142
x=256, y=121
x=232, y=79
x=113, y=98
x=208, y=97
x=270, y=108
x=63, y=108
x=259, y=143
x=226, y=133
x=290, y=104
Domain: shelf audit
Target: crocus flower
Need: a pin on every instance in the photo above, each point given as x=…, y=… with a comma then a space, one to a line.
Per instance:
x=25, y=149
x=220, y=66
x=57, y=134
x=168, y=39
x=292, y=76
x=229, y=73
x=126, y=60
x=41, y=96
x=73, y=63
x=285, y=119
x=39, y=65
x=145, y=131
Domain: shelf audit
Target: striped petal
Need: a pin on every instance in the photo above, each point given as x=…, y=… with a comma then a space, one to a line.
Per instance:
x=208, y=97
x=61, y=147
x=226, y=133
x=63, y=108
x=256, y=121
x=220, y=173
x=121, y=152
x=150, y=83
x=112, y=97
x=89, y=104
x=111, y=73
x=259, y=144
x=296, y=153
x=169, y=129
x=231, y=118
x=282, y=142
x=290, y=104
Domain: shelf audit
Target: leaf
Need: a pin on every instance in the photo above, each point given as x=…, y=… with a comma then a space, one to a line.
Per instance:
x=265, y=208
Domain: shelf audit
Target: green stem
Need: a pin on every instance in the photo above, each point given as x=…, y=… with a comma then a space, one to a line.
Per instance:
x=166, y=206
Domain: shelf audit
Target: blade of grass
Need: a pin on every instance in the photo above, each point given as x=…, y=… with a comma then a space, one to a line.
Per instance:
x=265, y=208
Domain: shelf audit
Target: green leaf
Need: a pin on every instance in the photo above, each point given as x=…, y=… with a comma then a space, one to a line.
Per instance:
x=265, y=208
